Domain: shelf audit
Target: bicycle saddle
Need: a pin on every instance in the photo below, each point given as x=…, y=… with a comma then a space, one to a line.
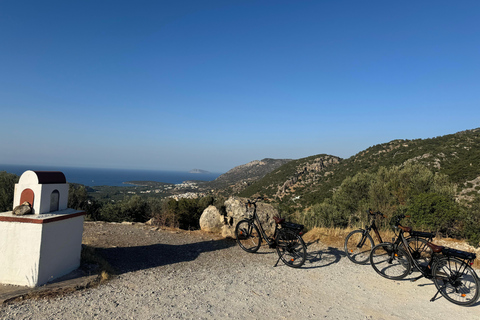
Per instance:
x=435, y=248
x=279, y=220
x=405, y=229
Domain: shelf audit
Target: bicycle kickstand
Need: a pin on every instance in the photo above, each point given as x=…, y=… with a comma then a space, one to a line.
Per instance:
x=415, y=279
x=277, y=261
x=435, y=296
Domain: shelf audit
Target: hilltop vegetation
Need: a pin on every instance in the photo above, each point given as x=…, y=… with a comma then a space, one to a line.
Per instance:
x=456, y=155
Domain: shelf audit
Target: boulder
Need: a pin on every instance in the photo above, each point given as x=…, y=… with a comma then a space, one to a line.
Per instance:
x=24, y=208
x=236, y=211
x=211, y=220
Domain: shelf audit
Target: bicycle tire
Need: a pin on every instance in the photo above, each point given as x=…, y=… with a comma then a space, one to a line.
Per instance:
x=390, y=262
x=356, y=254
x=420, y=251
x=291, y=248
x=456, y=281
x=248, y=236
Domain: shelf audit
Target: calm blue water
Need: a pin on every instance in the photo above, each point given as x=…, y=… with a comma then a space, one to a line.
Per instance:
x=113, y=177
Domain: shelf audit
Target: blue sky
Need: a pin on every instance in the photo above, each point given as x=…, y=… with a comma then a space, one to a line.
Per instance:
x=177, y=85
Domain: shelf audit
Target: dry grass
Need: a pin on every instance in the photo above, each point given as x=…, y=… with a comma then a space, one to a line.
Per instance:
x=90, y=256
x=335, y=237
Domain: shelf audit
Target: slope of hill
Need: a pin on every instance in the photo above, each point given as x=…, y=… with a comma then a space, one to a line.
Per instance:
x=310, y=180
x=242, y=176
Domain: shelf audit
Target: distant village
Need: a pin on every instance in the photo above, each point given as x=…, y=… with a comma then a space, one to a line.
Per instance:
x=175, y=190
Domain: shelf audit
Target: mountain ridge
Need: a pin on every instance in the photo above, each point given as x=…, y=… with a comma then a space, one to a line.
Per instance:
x=312, y=179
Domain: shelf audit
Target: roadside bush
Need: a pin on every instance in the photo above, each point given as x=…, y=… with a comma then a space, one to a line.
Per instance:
x=7, y=188
x=472, y=222
x=413, y=187
x=436, y=213
x=133, y=209
x=325, y=214
x=183, y=214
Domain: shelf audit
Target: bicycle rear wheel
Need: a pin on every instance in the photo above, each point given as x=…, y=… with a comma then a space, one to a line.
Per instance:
x=456, y=281
x=419, y=250
x=291, y=248
x=247, y=235
x=358, y=246
x=390, y=262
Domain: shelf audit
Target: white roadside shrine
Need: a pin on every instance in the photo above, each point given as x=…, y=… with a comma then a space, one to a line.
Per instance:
x=47, y=244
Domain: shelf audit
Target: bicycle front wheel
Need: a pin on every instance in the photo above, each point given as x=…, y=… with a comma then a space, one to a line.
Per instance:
x=456, y=281
x=247, y=235
x=291, y=248
x=390, y=262
x=358, y=245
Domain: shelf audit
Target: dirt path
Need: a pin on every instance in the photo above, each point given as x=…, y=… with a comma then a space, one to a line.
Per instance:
x=181, y=275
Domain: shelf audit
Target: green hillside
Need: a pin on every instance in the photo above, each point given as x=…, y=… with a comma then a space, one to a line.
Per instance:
x=455, y=155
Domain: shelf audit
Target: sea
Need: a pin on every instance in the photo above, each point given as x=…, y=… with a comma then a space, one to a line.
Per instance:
x=113, y=177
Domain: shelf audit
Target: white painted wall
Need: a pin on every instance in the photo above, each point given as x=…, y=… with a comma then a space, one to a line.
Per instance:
x=61, y=247
x=31, y=254
x=19, y=253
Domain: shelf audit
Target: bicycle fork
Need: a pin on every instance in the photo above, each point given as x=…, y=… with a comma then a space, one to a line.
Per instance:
x=364, y=238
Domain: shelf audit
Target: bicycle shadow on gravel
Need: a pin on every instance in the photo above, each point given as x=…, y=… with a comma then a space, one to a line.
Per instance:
x=323, y=257
x=128, y=259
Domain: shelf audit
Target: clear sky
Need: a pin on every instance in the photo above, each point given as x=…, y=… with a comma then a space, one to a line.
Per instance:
x=213, y=84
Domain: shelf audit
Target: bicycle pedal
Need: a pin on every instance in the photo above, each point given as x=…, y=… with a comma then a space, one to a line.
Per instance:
x=272, y=246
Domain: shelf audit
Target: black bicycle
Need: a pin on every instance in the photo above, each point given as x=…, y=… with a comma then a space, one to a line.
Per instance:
x=449, y=269
x=359, y=243
x=287, y=239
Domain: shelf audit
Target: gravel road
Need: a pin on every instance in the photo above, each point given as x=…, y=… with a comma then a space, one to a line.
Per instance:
x=190, y=275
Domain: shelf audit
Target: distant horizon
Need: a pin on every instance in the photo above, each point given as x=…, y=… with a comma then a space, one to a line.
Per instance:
x=210, y=171
x=113, y=176
x=215, y=84
x=102, y=168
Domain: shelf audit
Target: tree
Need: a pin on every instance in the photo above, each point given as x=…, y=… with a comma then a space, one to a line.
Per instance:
x=472, y=222
x=7, y=189
x=436, y=213
x=77, y=196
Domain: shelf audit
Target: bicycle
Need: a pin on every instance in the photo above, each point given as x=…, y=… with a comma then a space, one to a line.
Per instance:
x=357, y=249
x=287, y=240
x=449, y=269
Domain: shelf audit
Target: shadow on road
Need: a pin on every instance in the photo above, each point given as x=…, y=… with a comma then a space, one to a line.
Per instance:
x=127, y=259
x=322, y=257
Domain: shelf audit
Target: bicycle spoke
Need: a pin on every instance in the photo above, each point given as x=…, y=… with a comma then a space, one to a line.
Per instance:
x=456, y=281
x=358, y=246
x=389, y=262
x=248, y=236
x=291, y=249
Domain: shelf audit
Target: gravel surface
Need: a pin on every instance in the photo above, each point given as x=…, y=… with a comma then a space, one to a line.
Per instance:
x=190, y=275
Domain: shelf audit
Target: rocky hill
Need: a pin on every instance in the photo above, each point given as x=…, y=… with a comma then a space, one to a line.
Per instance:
x=310, y=180
x=242, y=176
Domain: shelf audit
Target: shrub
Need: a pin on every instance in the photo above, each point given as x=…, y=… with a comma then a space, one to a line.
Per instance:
x=436, y=213
x=7, y=188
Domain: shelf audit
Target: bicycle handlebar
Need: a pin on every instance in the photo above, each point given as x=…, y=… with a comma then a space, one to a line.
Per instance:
x=396, y=220
x=254, y=202
x=375, y=214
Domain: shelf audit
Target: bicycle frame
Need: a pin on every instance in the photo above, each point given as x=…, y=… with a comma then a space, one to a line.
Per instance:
x=367, y=230
x=401, y=240
x=286, y=238
x=254, y=218
x=437, y=253
x=448, y=268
